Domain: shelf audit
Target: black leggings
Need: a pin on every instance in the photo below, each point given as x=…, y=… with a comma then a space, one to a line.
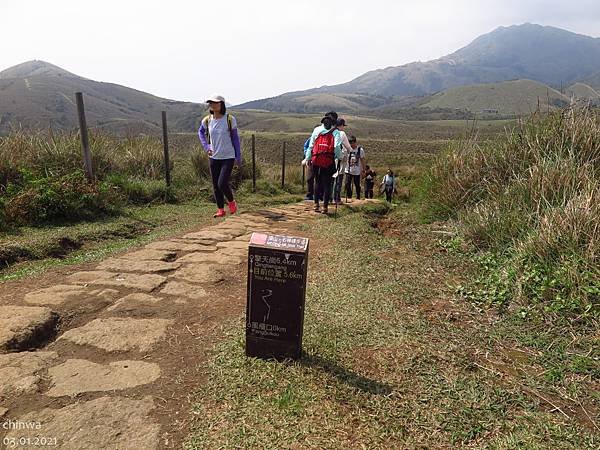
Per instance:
x=324, y=178
x=220, y=170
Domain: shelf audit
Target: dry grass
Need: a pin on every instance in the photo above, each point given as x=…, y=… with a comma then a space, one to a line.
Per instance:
x=532, y=197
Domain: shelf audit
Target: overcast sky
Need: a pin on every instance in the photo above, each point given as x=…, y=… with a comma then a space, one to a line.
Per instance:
x=252, y=49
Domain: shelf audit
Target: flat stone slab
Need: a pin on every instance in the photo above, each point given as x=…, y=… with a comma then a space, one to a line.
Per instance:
x=244, y=238
x=209, y=234
x=183, y=289
x=3, y=411
x=241, y=245
x=150, y=255
x=196, y=241
x=178, y=246
x=22, y=327
x=145, y=282
x=133, y=302
x=105, y=423
x=55, y=295
x=19, y=372
x=200, y=273
x=62, y=293
x=76, y=376
x=120, y=334
x=211, y=258
x=238, y=252
x=127, y=265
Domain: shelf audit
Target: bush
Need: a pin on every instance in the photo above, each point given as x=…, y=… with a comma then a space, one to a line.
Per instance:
x=68, y=197
x=139, y=191
x=533, y=199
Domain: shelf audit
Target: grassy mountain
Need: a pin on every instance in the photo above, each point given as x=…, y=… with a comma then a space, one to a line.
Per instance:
x=545, y=54
x=593, y=81
x=582, y=91
x=39, y=94
x=509, y=97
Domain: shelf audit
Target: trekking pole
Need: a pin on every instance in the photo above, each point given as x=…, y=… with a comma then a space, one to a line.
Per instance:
x=337, y=168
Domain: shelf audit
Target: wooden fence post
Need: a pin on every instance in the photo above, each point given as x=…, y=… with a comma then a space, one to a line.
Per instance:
x=253, y=164
x=83, y=133
x=283, y=166
x=166, y=148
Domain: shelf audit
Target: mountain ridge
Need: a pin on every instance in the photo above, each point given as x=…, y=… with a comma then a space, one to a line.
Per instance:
x=546, y=54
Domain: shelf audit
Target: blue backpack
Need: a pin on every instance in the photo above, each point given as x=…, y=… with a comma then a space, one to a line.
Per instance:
x=306, y=145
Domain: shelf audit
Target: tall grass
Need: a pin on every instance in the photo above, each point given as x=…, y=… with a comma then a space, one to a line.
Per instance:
x=531, y=199
x=41, y=176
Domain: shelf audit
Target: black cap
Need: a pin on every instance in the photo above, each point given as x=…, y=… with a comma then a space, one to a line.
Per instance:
x=340, y=123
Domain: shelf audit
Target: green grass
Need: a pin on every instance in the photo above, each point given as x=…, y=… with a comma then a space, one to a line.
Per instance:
x=379, y=371
x=520, y=97
x=29, y=251
x=529, y=203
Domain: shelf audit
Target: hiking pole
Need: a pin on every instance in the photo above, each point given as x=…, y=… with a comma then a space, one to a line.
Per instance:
x=337, y=169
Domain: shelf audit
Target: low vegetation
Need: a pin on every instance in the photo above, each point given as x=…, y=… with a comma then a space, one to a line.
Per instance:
x=392, y=361
x=531, y=204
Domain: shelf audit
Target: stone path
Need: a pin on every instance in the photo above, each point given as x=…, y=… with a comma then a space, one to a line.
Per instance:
x=93, y=357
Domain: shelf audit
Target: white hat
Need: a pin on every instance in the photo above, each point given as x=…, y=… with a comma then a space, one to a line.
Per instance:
x=216, y=98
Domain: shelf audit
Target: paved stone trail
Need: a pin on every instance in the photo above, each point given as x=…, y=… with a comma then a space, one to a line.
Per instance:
x=103, y=357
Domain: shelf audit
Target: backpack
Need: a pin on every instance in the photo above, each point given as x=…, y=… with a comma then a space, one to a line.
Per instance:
x=207, y=120
x=354, y=157
x=323, y=152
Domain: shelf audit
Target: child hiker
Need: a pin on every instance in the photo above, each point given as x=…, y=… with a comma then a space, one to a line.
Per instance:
x=369, y=182
x=219, y=136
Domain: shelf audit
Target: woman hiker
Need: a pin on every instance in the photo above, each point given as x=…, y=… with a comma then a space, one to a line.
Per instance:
x=323, y=149
x=389, y=185
x=219, y=136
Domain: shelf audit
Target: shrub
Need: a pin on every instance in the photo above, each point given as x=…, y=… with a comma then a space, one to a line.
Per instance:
x=68, y=197
x=533, y=199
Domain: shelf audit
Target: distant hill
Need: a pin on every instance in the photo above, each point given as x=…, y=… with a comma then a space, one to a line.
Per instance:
x=581, y=91
x=508, y=97
x=593, y=81
x=41, y=95
x=545, y=54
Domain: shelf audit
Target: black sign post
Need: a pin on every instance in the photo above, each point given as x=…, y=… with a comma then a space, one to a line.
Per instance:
x=277, y=268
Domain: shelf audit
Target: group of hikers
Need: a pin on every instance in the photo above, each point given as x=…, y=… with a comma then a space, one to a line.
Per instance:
x=329, y=157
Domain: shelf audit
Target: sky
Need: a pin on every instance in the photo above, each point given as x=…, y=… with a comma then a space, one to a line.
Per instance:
x=245, y=50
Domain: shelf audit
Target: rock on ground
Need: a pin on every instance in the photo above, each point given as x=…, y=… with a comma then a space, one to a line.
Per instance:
x=219, y=258
x=200, y=273
x=145, y=282
x=23, y=327
x=126, y=265
x=150, y=255
x=105, y=423
x=75, y=376
x=19, y=372
x=61, y=293
x=133, y=302
x=182, y=289
x=120, y=334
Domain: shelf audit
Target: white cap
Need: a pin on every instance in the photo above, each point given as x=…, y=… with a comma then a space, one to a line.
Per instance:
x=216, y=98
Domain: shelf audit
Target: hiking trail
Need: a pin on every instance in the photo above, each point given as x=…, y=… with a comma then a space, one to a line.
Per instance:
x=106, y=355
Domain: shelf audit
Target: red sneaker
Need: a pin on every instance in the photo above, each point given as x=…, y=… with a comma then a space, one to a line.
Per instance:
x=220, y=213
x=232, y=207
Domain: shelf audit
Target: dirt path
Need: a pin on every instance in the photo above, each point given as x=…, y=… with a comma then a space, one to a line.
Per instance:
x=107, y=356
